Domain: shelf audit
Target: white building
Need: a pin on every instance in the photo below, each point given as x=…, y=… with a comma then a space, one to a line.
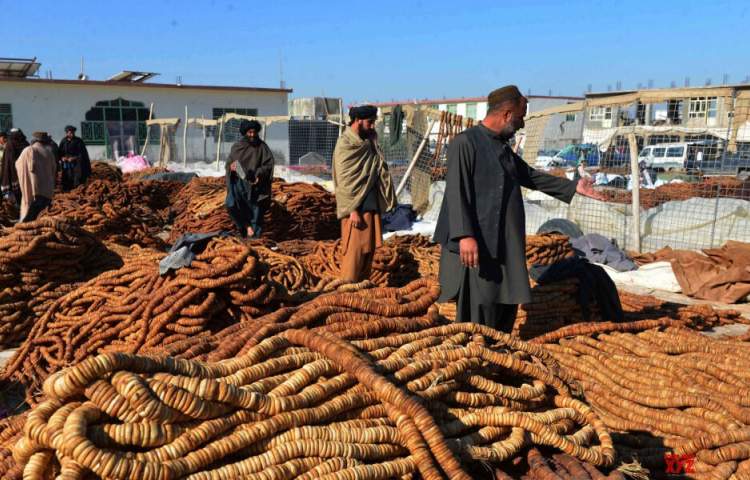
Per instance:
x=110, y=115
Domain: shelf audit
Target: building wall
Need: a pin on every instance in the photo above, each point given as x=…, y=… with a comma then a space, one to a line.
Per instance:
x=558, y=132
x=51, y=106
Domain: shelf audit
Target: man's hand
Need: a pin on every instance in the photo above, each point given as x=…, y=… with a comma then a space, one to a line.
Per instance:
x=357, y=220
x=469, y=252
x=585, y=187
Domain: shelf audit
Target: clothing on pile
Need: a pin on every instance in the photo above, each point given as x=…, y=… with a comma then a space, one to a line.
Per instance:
x=599, y=249
x=594, y=286
x=185, y=249
x=401, y=218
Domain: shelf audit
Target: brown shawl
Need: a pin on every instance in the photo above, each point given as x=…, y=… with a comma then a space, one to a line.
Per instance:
x=357, y=165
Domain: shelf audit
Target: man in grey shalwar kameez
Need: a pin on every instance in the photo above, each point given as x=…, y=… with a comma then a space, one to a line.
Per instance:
x=482, y=225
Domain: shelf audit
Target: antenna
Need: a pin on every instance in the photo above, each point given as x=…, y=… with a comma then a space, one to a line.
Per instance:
x=589, y=88
x=708, y=81
x=725, y=80
x=687, y=81
x=650, y=83
x=282, y=83
x=81, y=75
x=618, y=85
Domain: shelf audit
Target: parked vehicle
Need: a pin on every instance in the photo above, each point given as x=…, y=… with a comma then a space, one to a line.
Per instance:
x=722, y=164
x=573, y=153
x=545, y=158
x=678, y=156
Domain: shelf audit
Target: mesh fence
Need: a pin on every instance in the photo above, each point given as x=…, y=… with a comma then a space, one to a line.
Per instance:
x=688, y=151
x=415, y=143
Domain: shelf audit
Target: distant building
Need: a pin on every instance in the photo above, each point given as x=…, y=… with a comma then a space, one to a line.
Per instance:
x=557, y=135
x=720, y=113
x=110, y=114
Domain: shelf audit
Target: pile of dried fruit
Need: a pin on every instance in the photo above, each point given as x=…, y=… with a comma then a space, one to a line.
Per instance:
x=105, y=171
x=672, y=393
x=709, y=187
x=40, y=261
x=126, y=213
x=392, y=265
x=137, y=176
x=379, y=389
x=297, y=210
x=134, y=308
x=547, y=249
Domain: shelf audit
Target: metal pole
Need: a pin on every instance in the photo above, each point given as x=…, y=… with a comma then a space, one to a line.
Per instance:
x=148, y=130
x=635, y=177
x=413, y=162
x=184, y=139
x=218, y=146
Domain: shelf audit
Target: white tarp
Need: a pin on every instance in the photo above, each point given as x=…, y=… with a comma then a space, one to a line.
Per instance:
x=657, y=275
x=604, y=136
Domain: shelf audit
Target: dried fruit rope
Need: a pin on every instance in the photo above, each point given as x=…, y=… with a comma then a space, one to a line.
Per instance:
x=431, y=401
x=689, y=394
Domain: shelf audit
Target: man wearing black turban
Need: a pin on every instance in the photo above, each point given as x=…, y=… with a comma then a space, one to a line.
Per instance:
x=249, y=173
x=74, y=159
x=364, y=190
x=482, y=225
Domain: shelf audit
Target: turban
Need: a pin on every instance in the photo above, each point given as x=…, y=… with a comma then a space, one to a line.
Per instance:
x=70, y=128
x=40, y=135
x=3, y=133
x=503, y=94
x=363, y=112
x=246, y=125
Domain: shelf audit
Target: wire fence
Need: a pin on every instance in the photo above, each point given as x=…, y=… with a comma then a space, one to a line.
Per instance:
x=687, y=151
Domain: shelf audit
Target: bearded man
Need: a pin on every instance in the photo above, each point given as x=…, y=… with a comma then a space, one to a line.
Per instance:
x=364, y=191
x=482, y=225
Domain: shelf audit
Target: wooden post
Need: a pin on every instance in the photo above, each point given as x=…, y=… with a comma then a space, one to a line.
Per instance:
x=184, y=139
x=413, y=162
x=342, y=123
x=635, y=179
x=148, y=129
x=205, y=152
x=218, y=146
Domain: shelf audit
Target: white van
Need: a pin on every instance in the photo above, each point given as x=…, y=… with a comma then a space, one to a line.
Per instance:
x=667, y=156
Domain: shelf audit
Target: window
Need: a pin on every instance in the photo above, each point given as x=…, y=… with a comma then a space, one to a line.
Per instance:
x=645, y=152
x=231, y=132
x=451, y=108
x=471, y=110
x=570, y=117
x=116, y=122
x=598, y=114
x=703, y=107
x=6, y=117
x=659, y=152
x=675, y=152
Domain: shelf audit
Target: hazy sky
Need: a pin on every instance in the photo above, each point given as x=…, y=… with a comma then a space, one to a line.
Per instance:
x=383, y=50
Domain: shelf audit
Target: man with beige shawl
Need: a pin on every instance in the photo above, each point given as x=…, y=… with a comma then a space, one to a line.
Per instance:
x=37, y=172
x=364, y=190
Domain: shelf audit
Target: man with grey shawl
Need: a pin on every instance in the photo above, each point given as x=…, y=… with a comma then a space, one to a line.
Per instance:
x=364, y=190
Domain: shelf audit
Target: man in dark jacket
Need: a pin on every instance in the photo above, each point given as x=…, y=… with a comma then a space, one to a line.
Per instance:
x=249, y=171
x=74, y=160
x=8, y=176
x=482, y=225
